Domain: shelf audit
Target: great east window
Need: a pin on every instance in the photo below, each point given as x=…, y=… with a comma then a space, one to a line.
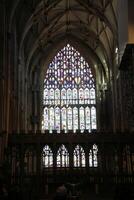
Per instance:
x=69, y=98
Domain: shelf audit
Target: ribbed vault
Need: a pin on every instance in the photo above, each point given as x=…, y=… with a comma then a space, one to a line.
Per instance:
x=41, y=23
x=39, y=29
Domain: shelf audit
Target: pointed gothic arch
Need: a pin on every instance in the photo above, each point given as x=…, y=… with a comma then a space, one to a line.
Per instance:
x=62, y=157
x=69, y=88
x=79, y=156
x=47, y=157
x=93, y=156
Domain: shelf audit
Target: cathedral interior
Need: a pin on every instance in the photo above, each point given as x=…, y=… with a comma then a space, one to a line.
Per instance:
x=67, y=99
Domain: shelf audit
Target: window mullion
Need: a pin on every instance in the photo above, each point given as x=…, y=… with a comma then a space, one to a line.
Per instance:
x=68, y=71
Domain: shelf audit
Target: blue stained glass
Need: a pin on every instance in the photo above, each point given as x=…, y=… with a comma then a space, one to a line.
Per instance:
x=75, y=119
x=57, y=119
x=69, y=96
x=87, y=115
x=69, y=118
x=45, y=123
x=51, y=120
x=64, y=119
x=46, y=96
x=75, y=96
x=69, y=83
x=87, y=96
x=81, y=96
x=57, y=96
x=82, y=119
x=63, y=96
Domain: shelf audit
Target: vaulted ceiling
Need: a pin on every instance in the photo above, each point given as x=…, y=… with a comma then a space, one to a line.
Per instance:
x=40, y=24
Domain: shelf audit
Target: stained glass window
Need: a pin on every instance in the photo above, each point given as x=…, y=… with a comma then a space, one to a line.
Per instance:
x=93, y=117
x=47, y=157
x=69, y=118
x=57, y=96
x=51, y=119
x=82, y=119
x=62, y=157
x=93, y=158
x=69, y=97
x=79, y=157
x=57, y=119
x=75, y=118
x=64, y=120
x=87, y=115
